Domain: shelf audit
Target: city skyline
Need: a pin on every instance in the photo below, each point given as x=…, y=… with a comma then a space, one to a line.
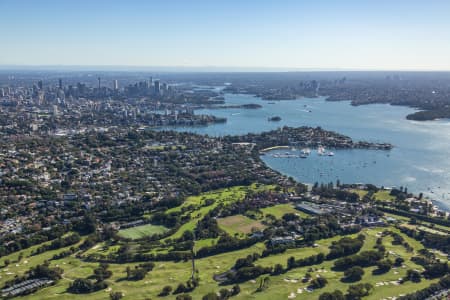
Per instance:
x=200, y=35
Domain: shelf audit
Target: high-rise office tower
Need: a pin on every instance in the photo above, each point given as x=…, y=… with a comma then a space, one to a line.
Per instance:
x=40, y=85
x=115, y=85
x=149, y=83
x=55, y=110
x=157, y=87
x=60, y=83
x=99, y=83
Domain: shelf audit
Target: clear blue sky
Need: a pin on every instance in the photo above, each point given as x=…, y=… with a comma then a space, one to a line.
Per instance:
x=365, y=34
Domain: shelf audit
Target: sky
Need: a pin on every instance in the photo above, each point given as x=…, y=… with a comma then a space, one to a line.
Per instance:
x=297, y=34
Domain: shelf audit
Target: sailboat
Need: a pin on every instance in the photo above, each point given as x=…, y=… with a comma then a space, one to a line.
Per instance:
x=321, y=150
x=306, y=151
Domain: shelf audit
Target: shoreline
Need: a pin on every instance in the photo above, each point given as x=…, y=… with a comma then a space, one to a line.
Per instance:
x=273, y=148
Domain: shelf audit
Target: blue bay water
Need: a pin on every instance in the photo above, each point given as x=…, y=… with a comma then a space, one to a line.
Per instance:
x=420, y=159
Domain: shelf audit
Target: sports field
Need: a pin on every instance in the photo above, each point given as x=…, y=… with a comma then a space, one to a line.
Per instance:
x=141, y=231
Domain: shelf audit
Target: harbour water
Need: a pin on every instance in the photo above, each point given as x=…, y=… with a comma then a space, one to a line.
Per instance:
x=419, y=161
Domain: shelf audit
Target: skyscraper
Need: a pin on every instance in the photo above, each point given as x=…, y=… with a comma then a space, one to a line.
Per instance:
x=60, y=83
x=40, y=85
x=55, y=110
x=99, y=83
x=157, y=87
x=115, y=85
x=150, y=82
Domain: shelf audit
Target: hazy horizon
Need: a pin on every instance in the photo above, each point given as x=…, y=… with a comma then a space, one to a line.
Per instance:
x=200, y=69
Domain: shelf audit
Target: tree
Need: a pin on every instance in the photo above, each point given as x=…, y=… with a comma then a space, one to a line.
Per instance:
x=354, y=273
x=435, y=269
x=336, y=295
x=87, y=225
x=45, y=271
x=181, y=288
x=166, y=291
x=413, y=275
x=291, y=262
x=399, y=261
x=236, y=289
x=224, y=294
x=100, y=285
x=188, y=235
x=278, y=269
x=318, y=283
x=384, y=266
x=357, y=291
x=81, y=286
x=211, y=296
x=101, y=273
x=115, y=295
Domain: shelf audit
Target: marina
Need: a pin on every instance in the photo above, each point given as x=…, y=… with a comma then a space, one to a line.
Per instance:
x=303, y=153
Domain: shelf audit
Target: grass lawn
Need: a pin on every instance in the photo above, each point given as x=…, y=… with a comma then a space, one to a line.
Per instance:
x=20, y=267
x=224, y=196
x=239, y=224
x=424, y=228
x=361, y=193
x=397, y=217
x=288, y=284
x=279, y=210
x=430, y=227
x=190, y=225
x=384, y=195
x=103, y=248
x=205, y=243
x=280, y=287
x=141, y=231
